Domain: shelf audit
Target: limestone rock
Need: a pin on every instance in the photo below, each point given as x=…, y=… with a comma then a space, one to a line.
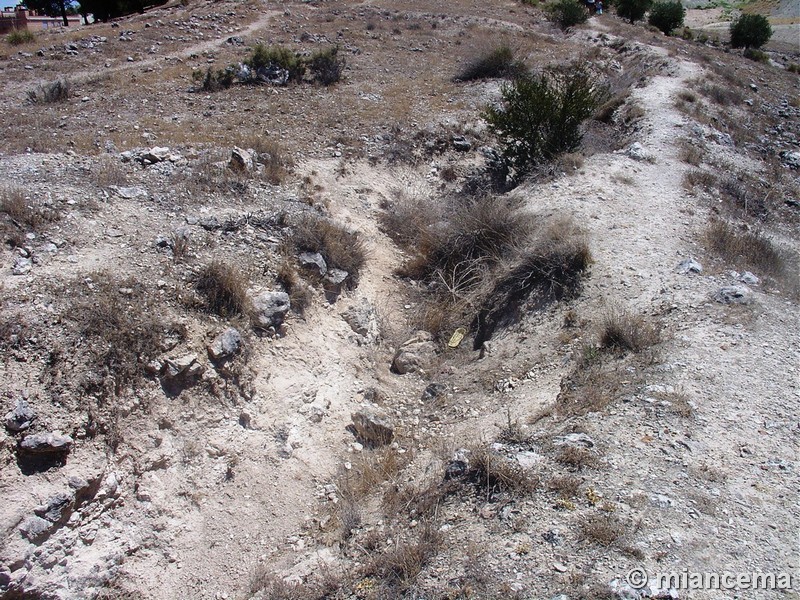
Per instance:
x=21, y=417
x=372, y=427
x=46, y=443
x=241, y=161
x=690, y=265
x=734, y=294
x=415, y=354
x=314, y=261
x=225, y=345
x=269, y=308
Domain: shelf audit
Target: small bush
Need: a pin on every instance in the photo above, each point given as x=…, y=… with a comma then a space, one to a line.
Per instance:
x=632, y=10
x=541, y=116
x=750, y=31
x=627, y=333
x=756, y=55
x=399, y=566
x=494, y=64
x=264, y=57
x=216, y=79
x=20, y=36
x=567, y=13
x=327, y=66
x=51, y=93
x=667, y=16
x=689, y=153
x=224, y=289
x=494, y=473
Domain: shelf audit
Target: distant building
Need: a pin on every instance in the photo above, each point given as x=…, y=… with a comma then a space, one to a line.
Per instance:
x=19, y=17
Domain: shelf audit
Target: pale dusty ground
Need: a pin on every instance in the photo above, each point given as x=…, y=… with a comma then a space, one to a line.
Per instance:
x=177, y=528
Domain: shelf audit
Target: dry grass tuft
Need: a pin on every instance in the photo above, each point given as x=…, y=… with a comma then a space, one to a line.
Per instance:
x=224, y=289
x=576, y=458
x=300, y=294
x=751, y=250
x=624, y=332
x=690, y=153
x=566, y=486
x=602, y=529
x=340, y=247
x=24, y=211
x=492, y=473
x=400, y=566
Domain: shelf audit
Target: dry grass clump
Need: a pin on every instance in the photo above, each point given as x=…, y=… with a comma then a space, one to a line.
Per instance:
x=17, y=37
x=602, y=529
x=726, y=95
x=492, y=473
x=126, y=331
x=498, y=62
x=690, y=153
x=107, y=171
x=50, y=93
x=481, y=258
x=624, y=332
x=398, y=567
x=266, y=585
x=300, y=294
x=24, y=211
x=340, y=247
x=223, y=289
x=576, y=458
x=269, y=153
x=749, y=249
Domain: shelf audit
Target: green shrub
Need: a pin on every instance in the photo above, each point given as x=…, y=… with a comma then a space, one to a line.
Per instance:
x=567, y=13
x=667, y=16
x=632, y=10
x=496, y=63
x=327, y=66
x=20, y=36
x=215, y=79
x=750, y=31
x=277, y=56
x=541, y=116
x=756, y=55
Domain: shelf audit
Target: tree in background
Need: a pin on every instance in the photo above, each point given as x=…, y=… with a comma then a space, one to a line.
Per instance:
x=103, y=10
x=633, y=10
x=52, y=8
x=750, y=31
x=667, y=16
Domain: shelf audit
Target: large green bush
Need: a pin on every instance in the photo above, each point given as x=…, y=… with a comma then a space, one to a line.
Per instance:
x=667, y=16
x=632, y=10
x=750, y=31
x=541, y=116
x=567, y=13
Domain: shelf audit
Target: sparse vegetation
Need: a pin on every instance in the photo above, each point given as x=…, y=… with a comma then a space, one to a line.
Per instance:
x=541, y=116
x=20, y=36
x=51, y=93
x=327, y=66
x=276, y=57
x=223, y=288
x=750, y=249
x=23, y=210
x=750, y=31
x=567, y=13
x=495, y=63
x=667, y=16
x=340, y=247
x=624, y=332
x=602, y=529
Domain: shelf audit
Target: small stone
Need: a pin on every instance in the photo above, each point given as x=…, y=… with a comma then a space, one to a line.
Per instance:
x=46, y=443
x=22, y=266
x=433, y=391
x=21, y=417
x=269, y=308
x=748, y=278
x=241, y=160
x=372, y=427
x=336, y=276
x=57, y=507
x=638, y=152
x=314, y=261
x=559, y=567
x=35, y=528
x=690, y=265
x=461, y=143
x=225, y=345
x=734, y=294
